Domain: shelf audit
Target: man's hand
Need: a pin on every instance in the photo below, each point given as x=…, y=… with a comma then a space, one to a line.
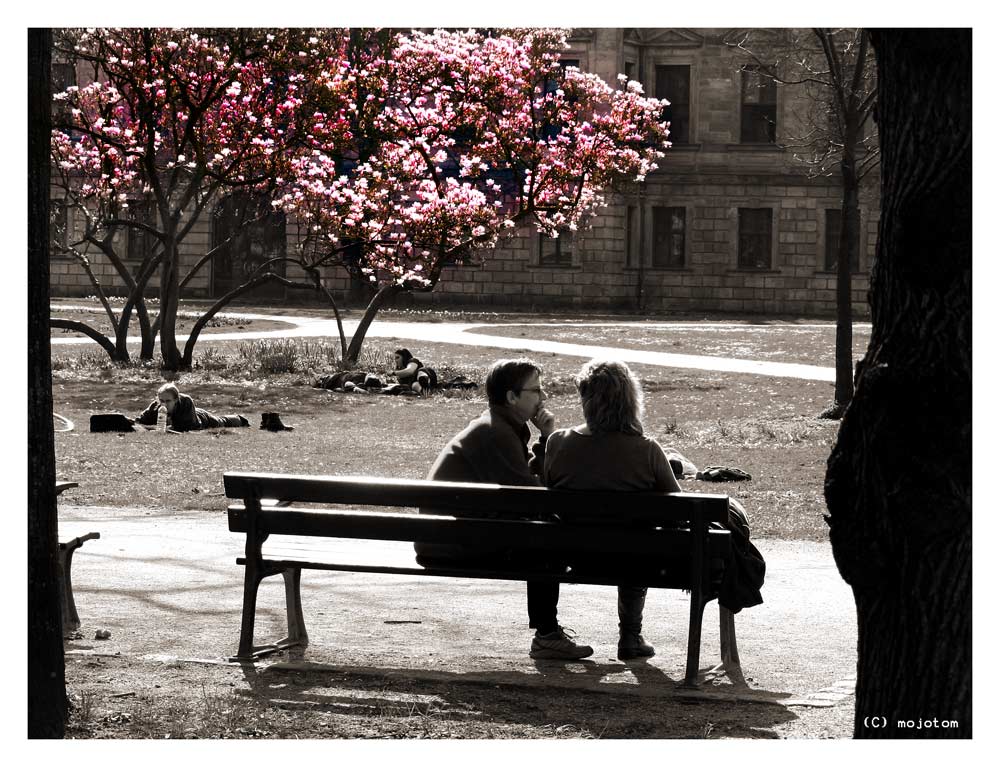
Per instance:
x=544, y=421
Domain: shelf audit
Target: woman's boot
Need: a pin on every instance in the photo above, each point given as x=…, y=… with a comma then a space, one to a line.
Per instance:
x=631, y=600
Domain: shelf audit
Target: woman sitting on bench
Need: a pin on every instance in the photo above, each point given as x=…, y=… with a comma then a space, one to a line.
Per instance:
x=610, y=452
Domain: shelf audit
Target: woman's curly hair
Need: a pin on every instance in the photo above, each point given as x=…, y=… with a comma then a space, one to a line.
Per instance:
x=611, y=396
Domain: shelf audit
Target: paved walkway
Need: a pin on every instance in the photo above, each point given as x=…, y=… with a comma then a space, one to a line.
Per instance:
x=167, y=587
x=475, y=334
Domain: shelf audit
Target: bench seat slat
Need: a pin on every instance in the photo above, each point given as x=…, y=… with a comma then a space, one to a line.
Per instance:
x=445, y=529
x=671, y=579
x=466, y=496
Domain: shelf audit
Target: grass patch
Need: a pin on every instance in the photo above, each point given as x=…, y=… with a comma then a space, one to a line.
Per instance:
x=766, y=426
x=811, y=344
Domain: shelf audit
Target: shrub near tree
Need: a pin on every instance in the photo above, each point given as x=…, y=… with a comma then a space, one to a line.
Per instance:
x=453, y=140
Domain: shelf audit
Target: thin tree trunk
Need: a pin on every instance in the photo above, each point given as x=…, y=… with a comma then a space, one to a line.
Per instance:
x=318, y=281
x=378, y=301
x=95, y=335
x=169, y=299
x=225, y=300
x=849, y=224
x=46, y=665
x=899, y=480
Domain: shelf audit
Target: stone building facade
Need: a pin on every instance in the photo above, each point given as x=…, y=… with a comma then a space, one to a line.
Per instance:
x=731, y=221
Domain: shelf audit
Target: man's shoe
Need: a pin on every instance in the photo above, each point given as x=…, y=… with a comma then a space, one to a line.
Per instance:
x=632, y=646
x=558, y=646
x=272, y=422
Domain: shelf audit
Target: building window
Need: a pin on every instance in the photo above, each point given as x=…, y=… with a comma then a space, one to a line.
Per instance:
x=140, y=242
x=673, y=82
x=668, y=237
x=754, y=238
x=555, y=251
x=63, y=76
x=832, y=242
x=631, y=236
x=758, y=107
x=630, y=70
x=552, y=129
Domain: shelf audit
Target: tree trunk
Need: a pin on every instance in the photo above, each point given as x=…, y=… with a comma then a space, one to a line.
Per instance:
x=95, y=335
x=899, y=480
x=384, y=294
x=224, y=301
x=169, y=299
x=850, y=223
x=46, y=669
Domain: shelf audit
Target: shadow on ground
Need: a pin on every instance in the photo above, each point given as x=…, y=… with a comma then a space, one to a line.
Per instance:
x=560, y=696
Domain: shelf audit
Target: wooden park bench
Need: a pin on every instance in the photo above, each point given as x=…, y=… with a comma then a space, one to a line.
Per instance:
x=70, y=618
x=673, y=528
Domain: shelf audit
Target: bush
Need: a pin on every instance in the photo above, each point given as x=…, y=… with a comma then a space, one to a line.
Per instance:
x=270, y=356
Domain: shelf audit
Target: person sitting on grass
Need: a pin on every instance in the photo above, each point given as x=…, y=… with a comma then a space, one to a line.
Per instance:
x=411, y=372
x=182, y=415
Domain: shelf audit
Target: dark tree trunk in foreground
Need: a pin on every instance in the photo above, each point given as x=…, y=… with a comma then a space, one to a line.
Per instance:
x=899, y=481
x=46, y=672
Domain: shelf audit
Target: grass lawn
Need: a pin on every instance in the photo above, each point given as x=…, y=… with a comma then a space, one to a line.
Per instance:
x=766, y=426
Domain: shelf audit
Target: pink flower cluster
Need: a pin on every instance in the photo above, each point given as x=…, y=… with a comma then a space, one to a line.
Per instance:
x=456, y=137
x=410, y=149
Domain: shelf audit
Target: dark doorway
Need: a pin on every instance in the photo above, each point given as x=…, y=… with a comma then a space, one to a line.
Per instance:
x=248, y=233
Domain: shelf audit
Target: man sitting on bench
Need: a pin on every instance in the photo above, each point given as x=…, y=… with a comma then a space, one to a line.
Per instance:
x=493, y=448
x=182, y=415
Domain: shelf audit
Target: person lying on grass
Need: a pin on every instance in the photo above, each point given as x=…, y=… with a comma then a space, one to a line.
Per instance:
x=182, y=415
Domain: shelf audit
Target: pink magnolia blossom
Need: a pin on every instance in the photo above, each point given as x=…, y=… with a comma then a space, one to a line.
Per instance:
x=457, y=136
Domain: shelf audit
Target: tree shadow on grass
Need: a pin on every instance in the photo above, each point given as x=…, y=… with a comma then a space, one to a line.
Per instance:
x=556, y=700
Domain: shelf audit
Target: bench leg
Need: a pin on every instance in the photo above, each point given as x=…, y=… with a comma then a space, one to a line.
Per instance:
x=70, y=617
x=293, y=607
x=727, y=643
x=730, y=665
x=251, y=582
x=297, y=636
x=694, y=639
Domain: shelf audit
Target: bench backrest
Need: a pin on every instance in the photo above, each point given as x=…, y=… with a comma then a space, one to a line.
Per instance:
x=671, y=527
x=471, y=499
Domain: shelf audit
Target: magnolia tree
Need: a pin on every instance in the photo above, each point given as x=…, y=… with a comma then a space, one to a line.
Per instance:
x=443, y=142
x=173, y=118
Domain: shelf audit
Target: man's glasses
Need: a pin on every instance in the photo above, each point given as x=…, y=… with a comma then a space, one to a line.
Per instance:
x=538, y=390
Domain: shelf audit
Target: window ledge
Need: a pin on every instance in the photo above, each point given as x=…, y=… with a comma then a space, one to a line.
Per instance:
x=557, y=267
x=750, y=270
x=829, y=273
x=684, y=147
x=674, y=269
x=754, y=148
